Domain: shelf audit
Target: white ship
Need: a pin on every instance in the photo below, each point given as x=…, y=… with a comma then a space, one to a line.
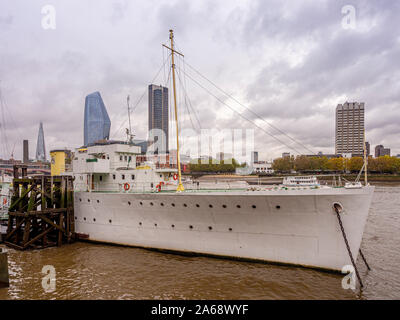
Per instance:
x=120, y=201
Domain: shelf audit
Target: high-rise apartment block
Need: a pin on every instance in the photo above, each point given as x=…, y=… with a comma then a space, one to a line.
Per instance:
x=350, y=128
x=158, y=118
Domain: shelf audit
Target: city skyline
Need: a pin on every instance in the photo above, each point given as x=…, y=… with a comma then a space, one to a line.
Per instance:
x=295, y=84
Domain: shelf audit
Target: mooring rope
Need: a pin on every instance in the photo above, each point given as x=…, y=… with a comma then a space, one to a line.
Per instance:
x=365, y=261
x=347, y=245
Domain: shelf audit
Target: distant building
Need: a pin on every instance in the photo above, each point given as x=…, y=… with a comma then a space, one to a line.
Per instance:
x=380, y=151
x=41, y=147
x=97, y=122
x=286, y=155
x=142, y=144
x=25, y=152
x=320, y=155
x=254, y=157
x=368, y=149
x=262, y=167
x=350, y=128
x=158, y=117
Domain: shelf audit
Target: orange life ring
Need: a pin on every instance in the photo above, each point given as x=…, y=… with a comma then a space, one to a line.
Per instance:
x=175, y=176
x=158, y=187
x=126, y=186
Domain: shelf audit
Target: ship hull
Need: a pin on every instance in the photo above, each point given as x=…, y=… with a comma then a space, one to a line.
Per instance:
x=296, y=227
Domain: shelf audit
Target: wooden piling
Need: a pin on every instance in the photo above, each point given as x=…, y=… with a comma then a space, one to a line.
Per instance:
x=41, y=213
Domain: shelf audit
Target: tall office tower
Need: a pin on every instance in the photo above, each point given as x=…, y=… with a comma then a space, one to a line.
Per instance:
x=97, y=122
x=350, y=128
x=158, y=117
x=40, y=147
x=25, y=153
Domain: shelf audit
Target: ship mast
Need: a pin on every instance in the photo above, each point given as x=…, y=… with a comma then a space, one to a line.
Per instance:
x=171, y=37
x=365, y=162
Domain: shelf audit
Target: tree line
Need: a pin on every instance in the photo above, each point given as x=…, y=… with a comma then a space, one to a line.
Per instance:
x=384, y=164
x=212, y=165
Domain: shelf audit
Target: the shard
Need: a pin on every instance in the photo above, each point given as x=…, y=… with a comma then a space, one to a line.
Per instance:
x=97, y=122
x=40, y=147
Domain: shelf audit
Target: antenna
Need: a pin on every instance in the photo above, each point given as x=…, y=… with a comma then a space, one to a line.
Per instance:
x=129, y=131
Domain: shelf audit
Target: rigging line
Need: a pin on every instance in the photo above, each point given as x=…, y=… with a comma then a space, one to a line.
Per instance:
x=254, y=113
x=187, y=109
x=223, y=102
x=140, y=99
x=190, y=103
x=3, y=126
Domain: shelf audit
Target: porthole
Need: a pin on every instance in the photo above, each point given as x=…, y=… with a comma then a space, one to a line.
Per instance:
x=253, y=206
x=210, y=205
x=209, y=228
x=155, y=224
x=191, y=227
x=94, y=219
x=76, y=218
x=140, y=223
x=162, y=204
x=230, y=229
x=110, y=221
x=173, y=204
x=238, y=206
x=172, y=225
x=278, y=207
x=98, y=201
x=88, y=200
x=129, y=203
x=185, y=205
x=80, y=199
x=151, y=203
x=141, y=203
x=84, y=218
x=224, y=206
x=197, y=205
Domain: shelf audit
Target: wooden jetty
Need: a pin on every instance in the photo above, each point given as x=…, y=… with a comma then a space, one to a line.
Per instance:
x=41, y=212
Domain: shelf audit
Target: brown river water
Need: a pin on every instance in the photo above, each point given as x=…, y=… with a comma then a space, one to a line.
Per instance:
x=94, y=271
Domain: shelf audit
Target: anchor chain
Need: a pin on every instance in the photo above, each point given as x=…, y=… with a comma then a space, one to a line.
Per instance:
x=347, y=245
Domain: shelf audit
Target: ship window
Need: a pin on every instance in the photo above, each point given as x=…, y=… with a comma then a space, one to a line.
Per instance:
x=155, y=224
x=210, y=205
x=141, y=203
x=88, y=200
x=130, y=158
x=197, y=205
x=98, y=201
x=224, y=206
x=133, y=177
x=238, y=206
x=76, y=218
x=253, y=206
x=140, y=223
x=114, y=176
x=80, y=199
x=191, y=227
x=129, y=203
x=84, y=218
x=110, y=221
x=151, y=185
x=173, y=226
x=185, y=205
x=120, y=158
x=94, y=219
x=209, y=228
x=173, y=204
x=160, y=175
x=151, y=203
x=278, y=207
x=123, y=177
x=230, y=229
x=126, y=158
x=162, y=204
x=101, y=178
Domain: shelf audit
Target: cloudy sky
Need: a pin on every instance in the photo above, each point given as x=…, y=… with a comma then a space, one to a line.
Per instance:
x=289, y=62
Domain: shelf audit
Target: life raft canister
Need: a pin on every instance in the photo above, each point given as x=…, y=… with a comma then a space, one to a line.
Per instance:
x=126, y=186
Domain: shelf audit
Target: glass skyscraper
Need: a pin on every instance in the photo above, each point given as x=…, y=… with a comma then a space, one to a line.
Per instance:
x=97, y=122
x=40, y=147
x=158, y=116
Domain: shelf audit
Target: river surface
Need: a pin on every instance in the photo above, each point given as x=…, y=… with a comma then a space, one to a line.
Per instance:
x=94, y=271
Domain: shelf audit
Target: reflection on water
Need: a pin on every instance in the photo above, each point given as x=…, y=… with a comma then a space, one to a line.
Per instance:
x=92, y=271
